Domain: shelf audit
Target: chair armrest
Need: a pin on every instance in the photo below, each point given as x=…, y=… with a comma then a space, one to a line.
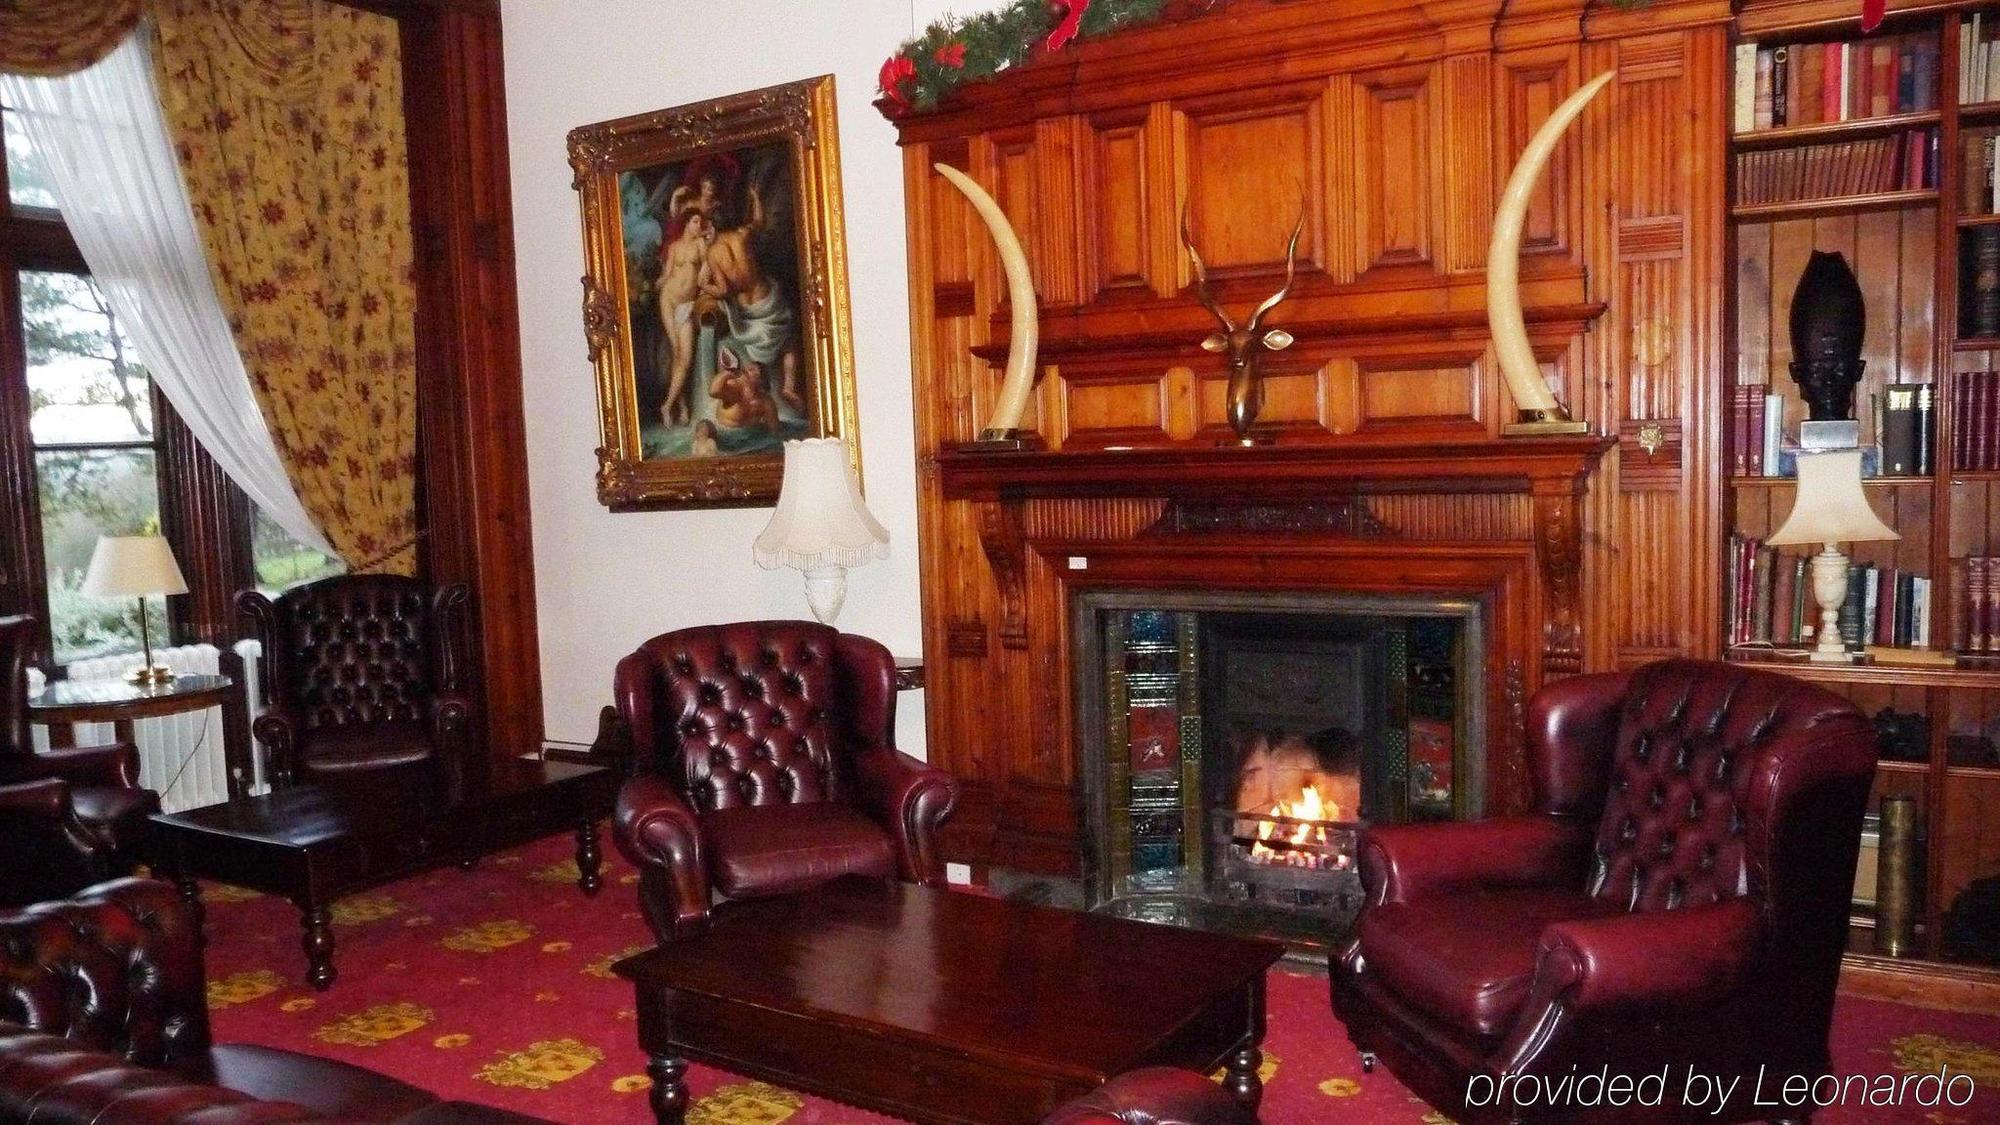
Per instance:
x=452, y=737
x=281, y=730
x=1154, y=1095
x=67, y=1082
x=1407, y=862
x=657, y=832
x=44, y=799
x=911, y=800
x=111, y=767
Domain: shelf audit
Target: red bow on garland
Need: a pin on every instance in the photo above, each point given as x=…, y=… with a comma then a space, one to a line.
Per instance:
x=896, y=71
x=1072, y=20
x=1872, y=12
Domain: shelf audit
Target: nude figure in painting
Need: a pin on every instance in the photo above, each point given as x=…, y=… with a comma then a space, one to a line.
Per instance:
x=762, y=321
x=682, y=262
x=742, y=398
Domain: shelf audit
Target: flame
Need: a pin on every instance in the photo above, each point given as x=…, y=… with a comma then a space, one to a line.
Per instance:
x=1309, y=806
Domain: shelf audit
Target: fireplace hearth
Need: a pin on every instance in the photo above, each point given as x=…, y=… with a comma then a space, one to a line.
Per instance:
x=1234, y=744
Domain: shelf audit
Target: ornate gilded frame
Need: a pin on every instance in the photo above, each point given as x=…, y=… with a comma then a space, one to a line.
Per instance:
x=799, y=113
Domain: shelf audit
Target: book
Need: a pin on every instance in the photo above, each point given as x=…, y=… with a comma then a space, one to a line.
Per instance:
x=1982, y=247
x=1853, y=608
x=1781, y=74
x=1926, y=429
x=1896, y=429
x=1784, y=593
x=1771, y=439
x=1745, y=105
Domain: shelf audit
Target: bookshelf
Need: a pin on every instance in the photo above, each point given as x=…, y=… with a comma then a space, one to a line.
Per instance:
x=1917, y=252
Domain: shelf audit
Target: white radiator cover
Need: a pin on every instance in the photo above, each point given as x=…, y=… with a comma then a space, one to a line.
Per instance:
x=180, y=756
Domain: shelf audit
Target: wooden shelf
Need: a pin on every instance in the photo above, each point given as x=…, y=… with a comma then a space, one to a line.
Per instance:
x=1891, y=765
x=1978, y=220
x=1879, y=674
x=1821, y=132
x=1979, y=113
x=1960, y=476
x=1986, y=773
x=1837, y=205
x=1977, y=344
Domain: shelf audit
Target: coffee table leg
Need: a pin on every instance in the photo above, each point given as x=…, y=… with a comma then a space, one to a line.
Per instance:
x=191, y=894
x=589, y=858
x=317, y=921
x=1242, y=1080
x=669, y=1095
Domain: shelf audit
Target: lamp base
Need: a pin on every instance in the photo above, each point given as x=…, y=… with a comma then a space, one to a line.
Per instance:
x=150, y=675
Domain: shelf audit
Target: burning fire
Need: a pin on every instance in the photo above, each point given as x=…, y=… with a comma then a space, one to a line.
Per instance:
x=1305, y=840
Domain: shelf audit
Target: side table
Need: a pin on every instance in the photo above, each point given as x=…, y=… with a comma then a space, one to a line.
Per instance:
x=64, y=703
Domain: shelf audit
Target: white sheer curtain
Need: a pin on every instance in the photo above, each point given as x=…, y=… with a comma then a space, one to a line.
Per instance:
x=120, y=192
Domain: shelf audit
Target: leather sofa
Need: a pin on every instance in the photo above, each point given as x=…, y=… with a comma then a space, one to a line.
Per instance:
x=1677, y=897
x=104, y=1019
x=765, y=762
x=69, y=817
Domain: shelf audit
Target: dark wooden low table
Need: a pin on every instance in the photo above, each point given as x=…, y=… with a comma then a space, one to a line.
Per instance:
x=313, y=844
x=938, y=1006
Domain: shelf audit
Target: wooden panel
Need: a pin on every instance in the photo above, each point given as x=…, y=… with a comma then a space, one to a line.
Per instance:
x=1252, y=160
x=1112, y=406
x=1436, y=393
x=1395, y=136
x=1533, y=83
x=1117, y=209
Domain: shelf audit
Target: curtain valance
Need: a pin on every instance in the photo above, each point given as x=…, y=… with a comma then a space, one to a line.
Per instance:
x=52, y=37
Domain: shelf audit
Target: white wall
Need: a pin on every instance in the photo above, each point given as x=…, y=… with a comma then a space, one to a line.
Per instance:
x=606, y=582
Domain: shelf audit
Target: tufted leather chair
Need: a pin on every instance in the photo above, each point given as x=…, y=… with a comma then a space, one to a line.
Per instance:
x=103, y=1017
x=68, y=817
x=1678, y=896
x=766, y=763
x=1158, y=1095
x=363, y=676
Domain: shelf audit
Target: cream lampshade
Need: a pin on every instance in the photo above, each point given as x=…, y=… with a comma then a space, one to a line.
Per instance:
x=136, y=566
x=1830, y=509
x=821, y=526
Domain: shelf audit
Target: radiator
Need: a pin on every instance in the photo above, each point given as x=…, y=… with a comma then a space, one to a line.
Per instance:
x=180, y=756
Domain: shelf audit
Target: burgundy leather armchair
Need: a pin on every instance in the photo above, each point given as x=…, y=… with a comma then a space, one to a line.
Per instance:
x=103, y=1018
x=363, y=674
x=1677, y=897
x=68, y=817
x=1158, y=1095
x=765, y=763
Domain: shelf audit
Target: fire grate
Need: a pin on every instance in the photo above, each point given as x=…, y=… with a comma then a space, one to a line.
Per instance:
x=1286, y=863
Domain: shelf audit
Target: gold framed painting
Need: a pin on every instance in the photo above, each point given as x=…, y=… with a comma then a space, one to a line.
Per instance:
x=715, y=295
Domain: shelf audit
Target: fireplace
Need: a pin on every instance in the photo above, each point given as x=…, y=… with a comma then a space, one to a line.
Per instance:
x=1232, y=744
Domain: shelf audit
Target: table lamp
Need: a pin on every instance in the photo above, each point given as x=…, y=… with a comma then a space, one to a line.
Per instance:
x=136, y=566
x=1830, y=509
x=821, y=526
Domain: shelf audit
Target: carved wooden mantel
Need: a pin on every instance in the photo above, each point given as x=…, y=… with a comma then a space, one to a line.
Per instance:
x=1552, y=471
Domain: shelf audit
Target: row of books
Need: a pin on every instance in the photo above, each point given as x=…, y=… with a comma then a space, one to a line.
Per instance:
x=1975, y=431
x=1809, y=83
x=1905, y=423
x=1978, y=62
x=1771, y=600
x=1904, y=161
x=1975, y=589
x=1979, y=271
x=1979, y=173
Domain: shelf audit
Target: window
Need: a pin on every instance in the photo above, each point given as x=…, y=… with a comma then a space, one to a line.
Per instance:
x=87, y=449
x=96, y=462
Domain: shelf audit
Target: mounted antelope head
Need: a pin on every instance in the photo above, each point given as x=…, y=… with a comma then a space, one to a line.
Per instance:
x=1244, y=346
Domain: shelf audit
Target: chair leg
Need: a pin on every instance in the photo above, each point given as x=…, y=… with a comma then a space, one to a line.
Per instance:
x=1368, y=1062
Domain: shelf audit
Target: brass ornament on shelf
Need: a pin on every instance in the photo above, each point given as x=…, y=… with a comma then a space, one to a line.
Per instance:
x=1244, y=346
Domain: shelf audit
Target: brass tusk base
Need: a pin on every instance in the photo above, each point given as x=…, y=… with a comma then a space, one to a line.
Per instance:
x=1544, y=423
x=1004, y=441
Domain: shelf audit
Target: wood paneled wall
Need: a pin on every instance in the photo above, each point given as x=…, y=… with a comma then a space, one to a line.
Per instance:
x=1392, y=125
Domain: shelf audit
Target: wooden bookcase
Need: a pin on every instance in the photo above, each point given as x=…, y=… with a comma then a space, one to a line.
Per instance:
x=1904, y=248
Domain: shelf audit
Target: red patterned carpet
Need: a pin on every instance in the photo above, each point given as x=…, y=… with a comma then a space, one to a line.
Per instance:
x=494, y=986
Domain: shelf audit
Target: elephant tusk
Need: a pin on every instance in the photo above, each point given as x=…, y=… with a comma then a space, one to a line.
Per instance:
x=1503, y=262
x=1022, y=344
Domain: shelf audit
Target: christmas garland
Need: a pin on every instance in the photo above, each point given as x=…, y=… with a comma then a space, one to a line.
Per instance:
x=955, y=50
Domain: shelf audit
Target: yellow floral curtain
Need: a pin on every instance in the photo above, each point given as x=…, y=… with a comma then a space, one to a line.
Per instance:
x=287, y=117
x=51, y=37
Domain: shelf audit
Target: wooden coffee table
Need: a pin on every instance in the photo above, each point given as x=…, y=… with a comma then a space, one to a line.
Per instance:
x=934, y=1005
x=313, y=844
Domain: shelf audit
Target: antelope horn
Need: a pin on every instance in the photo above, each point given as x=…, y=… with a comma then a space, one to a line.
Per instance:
x=1291, y=271
x=1503, y=261
x=1201, y=288
x=1027, y=327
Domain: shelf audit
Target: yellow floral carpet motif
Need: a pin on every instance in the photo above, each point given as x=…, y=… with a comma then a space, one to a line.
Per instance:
x=542, y=1064
x=602, y=966
x=223, y=893
x=745, y=1103
x=489, y=936
x=564, y=872
x=241, y=988
x=1926, y=1053
x=359, y=910
x=372, y=1026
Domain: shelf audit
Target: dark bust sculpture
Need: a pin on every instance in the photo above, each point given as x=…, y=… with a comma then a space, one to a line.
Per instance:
x=1828, y=319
